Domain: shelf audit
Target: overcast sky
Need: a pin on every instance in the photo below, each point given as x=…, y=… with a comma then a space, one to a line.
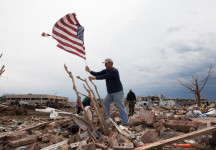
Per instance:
x=153, y=43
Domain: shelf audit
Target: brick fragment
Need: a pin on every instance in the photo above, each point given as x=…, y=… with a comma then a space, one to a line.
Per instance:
x=46, y=139
x=138, y=128
x=147, y=117
x=117, y=120
x=149, y=136
x=182, y=126
x=114, y=114
x=55, y=139
x=112, y=135
x=144, y=117
x=120, y=142
x=24, y=141
x=101, y=146
x=74, y=146
x=17, y=135
x=169, y=134
x=123, y=146
x=90, y=146
x=103, y=139
x=161, y=117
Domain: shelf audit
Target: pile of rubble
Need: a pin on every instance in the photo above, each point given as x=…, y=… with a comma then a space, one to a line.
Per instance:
x=165, y=128
x=13, y=110
x=160, y=127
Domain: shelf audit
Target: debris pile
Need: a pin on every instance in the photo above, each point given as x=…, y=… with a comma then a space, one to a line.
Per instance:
x=69, y=131
x=164, y=127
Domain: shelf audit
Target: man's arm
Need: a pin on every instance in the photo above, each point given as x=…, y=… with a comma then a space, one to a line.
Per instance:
x=95, y=73
x=110, y=74
x=134, y=97
x=127, y=96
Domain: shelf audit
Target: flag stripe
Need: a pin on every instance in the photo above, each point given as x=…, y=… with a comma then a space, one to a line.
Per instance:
x=69, y=19
x=62, y=34
x=70, y=50
x=63, y=28
x=74, y=16
x=65, y=43
x=58, y=38
x=45, y=34
x=65, y=22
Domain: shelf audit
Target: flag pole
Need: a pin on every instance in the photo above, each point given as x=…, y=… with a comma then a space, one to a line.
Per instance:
x=86, y=66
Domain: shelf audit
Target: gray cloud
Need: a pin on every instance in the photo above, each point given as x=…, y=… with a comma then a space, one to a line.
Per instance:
x=151, y=49
x=173, y=29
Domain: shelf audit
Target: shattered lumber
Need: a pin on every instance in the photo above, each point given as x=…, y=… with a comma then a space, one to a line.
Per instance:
x=100, y=99
x=55, y=146
x=178, y=138
x=119, y=129
x=78, y=97
x=25, y=129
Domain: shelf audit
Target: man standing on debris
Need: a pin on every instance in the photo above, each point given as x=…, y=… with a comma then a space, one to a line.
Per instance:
x=131, y=99
x=149, y=103
x=114, y=89
x=177, y=102
x=78, y=107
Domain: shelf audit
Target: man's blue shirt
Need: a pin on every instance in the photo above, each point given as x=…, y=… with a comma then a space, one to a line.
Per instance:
x=112, y=78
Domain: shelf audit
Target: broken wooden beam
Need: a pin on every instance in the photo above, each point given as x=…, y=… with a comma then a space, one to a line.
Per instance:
x=55, y=146
x=178, y=138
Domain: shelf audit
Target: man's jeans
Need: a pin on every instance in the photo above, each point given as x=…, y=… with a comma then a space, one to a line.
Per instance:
x=118, y=99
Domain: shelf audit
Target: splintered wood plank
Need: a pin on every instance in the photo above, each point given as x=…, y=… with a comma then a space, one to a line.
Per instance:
x=178, y=138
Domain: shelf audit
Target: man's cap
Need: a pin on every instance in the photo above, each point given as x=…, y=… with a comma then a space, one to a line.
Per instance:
x=107, y=60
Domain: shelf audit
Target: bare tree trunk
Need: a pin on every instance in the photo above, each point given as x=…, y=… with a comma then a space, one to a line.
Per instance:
x=78, y=97
x=198, y=99
x=196, y=87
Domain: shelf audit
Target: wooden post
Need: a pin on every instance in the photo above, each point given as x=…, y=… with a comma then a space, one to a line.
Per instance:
x=97, y=112
x=78, y=97
x=100, y=100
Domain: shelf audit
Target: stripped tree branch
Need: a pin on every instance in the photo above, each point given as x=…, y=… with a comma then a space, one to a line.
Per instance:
x=206, y=79
x=2, y=70
x=100, y=99
x=97, y=112
x=78, y=97
x=196, y=87
x=94, y=98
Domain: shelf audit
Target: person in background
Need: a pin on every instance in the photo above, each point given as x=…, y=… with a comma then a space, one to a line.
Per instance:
x=131, y=99
x=149, y=103
x=177, y=102
x=78, y=107
x=86, y=102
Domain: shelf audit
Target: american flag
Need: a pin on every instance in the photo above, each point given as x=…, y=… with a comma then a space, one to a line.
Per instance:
x=69, y=34
x=45, y=34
